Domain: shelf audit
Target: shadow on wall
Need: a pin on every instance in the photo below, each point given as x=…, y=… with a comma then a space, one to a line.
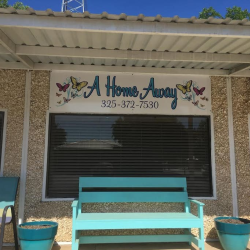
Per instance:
x=211, y=233
x=56, y=246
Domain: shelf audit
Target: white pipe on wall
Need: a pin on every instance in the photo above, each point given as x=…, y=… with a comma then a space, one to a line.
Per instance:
x=232, y=147
x=24, y=148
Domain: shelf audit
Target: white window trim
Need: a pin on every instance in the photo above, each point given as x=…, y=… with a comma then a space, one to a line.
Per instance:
x=3, y=140
x=44, y=198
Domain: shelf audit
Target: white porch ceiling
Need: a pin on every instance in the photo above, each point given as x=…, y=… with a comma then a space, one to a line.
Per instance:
x=53, y=40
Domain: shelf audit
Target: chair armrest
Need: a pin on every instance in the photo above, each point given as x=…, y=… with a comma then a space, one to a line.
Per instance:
x=197, y=202
x=200, y=207
x=75, y=208
x=4, y=214
x=74, y=203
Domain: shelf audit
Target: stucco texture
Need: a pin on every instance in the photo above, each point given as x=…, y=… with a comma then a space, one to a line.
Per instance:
x=241, y=108
x=35, y=209
x=222, y=206
x=12, y=86
x=61, y=211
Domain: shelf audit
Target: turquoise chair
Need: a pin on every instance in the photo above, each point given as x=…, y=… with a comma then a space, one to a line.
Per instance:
x=8, y=190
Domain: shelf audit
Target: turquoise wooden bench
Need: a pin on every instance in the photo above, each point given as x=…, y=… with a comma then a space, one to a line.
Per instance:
x=135, y=189
x=8, y=190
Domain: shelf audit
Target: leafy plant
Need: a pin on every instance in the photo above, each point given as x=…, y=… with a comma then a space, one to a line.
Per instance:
x=17, y=5
x=209, y=12
x=235, y=13
x=4, y=4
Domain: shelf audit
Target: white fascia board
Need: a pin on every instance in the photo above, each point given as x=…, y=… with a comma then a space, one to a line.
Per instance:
x=142, y=70
x=121, y=26
x=130, y=54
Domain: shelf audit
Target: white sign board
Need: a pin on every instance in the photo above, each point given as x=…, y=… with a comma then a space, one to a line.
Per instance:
x=127, y=93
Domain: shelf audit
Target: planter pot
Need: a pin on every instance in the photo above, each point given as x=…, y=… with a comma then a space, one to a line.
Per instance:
x=233, y=236
x=37, y=239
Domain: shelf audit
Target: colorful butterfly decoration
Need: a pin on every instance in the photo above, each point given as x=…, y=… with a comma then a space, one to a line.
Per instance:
x=189, y=97
x=62, y=87
x=196, y=103
x=74, y=95
x=58, y=95
x=66, y=100
x=199, y=91
x=78, y=85
x=204, y=98
x=185, y=88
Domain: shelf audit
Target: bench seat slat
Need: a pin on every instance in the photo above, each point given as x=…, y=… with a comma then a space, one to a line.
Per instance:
x=99, y=221
x=134, y=239
x=88, y=197
x=132, y=182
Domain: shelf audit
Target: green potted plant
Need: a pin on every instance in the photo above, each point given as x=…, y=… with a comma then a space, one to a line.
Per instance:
x=233, y=232
x=38, y=235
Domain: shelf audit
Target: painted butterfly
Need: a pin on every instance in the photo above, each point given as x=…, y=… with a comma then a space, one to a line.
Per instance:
x=58, y=95
x=66, y=100
x=59, y=102
x=202, y=105
x=204, y=98
x=189, y=97
x=199, y=91
x=78, y=85
x=195, y=103
x=74, y=95
x=185, y=88
x=62, y=87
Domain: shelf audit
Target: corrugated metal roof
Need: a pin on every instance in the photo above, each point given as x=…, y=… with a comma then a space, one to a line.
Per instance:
x=123, y=16
x=102, y=40
x=123, y=41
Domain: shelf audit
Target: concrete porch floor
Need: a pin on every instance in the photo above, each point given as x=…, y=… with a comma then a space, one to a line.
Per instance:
x=138, y=246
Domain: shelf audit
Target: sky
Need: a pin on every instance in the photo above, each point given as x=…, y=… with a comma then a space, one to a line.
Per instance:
x=166, y=8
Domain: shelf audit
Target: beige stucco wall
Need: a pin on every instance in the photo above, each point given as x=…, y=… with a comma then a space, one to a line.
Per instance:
x=61, y=212
x=241, y=109
x=223, y=204
x=12, y=92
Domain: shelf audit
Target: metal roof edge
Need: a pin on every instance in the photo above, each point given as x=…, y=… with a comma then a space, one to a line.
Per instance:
x=123, y=16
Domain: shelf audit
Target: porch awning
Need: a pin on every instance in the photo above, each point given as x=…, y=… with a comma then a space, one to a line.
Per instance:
x=47, y=40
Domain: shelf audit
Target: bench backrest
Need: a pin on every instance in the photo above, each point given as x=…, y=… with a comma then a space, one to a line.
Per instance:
x=132, y=189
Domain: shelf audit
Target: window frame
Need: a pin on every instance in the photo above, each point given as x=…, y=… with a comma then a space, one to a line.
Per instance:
x=4, y=111
x=44, y=198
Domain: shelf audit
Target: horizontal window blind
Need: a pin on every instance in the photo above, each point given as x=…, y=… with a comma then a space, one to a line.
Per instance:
x=1, y=135
x=128, y=145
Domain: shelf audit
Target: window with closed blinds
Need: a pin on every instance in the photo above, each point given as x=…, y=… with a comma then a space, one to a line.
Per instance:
x=1, y=135
x=128, y=145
